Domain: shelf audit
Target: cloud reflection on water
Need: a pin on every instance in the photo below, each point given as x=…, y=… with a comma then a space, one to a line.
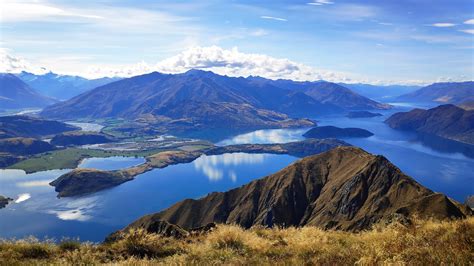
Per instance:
x=267, y=136
x=214, y=166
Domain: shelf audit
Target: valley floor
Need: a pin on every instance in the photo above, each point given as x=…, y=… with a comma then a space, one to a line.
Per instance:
x=421, y=243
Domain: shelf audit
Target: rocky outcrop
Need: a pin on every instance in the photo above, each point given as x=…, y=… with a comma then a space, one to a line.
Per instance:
x=345, y=188
x=337, y=132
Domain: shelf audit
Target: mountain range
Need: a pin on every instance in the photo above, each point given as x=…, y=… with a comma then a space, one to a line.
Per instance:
x=15, y=94
x=380, y=92
x=446, y=121
x=447, y=92
x=61, y=87
x=345, y=188
x=199, y=99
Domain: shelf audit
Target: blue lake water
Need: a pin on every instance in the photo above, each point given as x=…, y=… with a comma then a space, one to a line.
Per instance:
x=440, y=168
x=111, y=163
x=37, y=211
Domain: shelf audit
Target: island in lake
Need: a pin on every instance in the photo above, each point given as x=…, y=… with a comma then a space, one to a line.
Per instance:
x=337, y=132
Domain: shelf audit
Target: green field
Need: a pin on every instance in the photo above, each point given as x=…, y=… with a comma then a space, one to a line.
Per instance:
x=69, y=158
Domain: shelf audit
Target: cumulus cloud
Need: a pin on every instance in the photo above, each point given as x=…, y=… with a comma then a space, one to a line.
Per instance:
x=13, y=64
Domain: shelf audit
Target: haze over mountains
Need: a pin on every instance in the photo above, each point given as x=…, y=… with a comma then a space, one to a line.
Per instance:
x=61, y=87
x=448, y=92
x=15, y=93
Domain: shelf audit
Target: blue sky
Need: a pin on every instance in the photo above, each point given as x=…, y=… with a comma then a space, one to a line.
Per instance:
x=370, y=41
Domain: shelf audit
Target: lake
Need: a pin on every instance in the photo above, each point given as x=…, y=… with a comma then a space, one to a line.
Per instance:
x=440, y=165
x=37, y=211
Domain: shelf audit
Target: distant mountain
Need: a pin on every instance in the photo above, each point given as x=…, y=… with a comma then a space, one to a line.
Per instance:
x=328, y=93
x=30, y=127
x=161, y=94
x=447, y=121
x=345, y=188
x=448, y=92
x=14, y=93
x=380, y=92
x=62, y=87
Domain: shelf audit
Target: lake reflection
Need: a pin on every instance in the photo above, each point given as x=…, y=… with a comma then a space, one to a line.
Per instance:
x=37, y=211
x=215, y=167
x=266, y=136
x=111, y=163
x=436, y=164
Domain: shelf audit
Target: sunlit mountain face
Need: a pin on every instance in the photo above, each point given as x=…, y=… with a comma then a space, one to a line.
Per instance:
x=253, y=129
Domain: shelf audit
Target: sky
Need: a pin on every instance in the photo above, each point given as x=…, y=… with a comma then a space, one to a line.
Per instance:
x=376, y=41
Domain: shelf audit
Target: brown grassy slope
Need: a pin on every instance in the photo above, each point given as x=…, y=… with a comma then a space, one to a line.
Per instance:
x=422, y=243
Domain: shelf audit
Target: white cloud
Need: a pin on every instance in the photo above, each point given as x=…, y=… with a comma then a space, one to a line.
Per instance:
x=274, y=18
x=470, y=31
x=12, y=64
x=23, y=197
x=469, y=21
x=230, y=62
x=442, y=25
x=321, y=2
x=13, y=11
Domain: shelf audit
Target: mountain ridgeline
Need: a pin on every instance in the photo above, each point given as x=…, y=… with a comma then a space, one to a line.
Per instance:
x=345, y=188
x=61, y=87
x=446, y=121
x=204, y=99
x=15, y=94
x=446, y=92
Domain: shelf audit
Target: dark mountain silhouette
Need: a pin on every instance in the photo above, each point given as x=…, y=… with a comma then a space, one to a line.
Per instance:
x=447, y=121
x=447, y=92
x=337, y=132
x=345, y=188
x=62, y=87
x=14, y=93
x=31, y=127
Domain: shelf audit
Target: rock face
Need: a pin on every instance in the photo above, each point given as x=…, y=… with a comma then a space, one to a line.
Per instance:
x=81, y=138
x=446, y=121
x=24, y=146
x=447, y=92
x=345, y=188
x=31, y=127
x=16, y=94
x=337, y=132
x=362, y=114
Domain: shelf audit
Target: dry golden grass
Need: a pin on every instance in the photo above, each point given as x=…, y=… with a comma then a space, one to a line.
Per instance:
x=422, y=243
